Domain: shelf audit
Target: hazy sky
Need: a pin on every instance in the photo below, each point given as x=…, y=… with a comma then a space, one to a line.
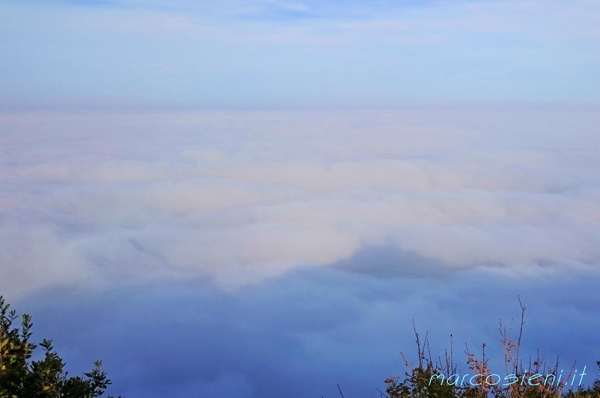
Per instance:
x=266, y=53
x=256, y=198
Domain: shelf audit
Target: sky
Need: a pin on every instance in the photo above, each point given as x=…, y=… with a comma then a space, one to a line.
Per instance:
x=258, y=199
x=287, y=54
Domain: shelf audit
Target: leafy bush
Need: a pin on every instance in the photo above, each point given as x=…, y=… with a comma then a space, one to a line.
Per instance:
x=20, y=377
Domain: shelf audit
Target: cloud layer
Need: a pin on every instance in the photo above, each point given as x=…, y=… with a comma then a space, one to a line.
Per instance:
x=240, y=197
x=288, y=251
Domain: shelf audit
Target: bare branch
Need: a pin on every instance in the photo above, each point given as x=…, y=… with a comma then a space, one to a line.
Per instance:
x=340, y=390
x=520, y=332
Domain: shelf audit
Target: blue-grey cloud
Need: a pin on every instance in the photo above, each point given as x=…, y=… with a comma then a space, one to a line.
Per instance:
x=309, y=331
x=388, y=261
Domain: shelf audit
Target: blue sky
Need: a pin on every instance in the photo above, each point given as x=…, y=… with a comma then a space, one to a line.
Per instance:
x=292, y=53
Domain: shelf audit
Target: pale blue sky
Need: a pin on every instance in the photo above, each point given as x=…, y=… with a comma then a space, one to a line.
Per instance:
x=275, y=53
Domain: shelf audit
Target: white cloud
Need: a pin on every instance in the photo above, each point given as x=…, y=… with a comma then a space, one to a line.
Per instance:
x=240, y=197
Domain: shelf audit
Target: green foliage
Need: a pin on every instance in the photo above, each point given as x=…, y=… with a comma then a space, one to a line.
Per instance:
x=416, y=385
x=591, y=392
x=22, y=378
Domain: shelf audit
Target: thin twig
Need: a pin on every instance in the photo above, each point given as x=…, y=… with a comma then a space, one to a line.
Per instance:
x=520, y=331
x=419, y=352
x=340, y=390
x=451, y=352
x=428, y=348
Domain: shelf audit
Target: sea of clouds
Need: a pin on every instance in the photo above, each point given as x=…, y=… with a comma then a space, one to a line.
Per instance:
x=269, y=254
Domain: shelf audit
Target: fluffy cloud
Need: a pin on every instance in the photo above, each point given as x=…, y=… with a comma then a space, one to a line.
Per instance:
x=269, y=252
x=239, y=197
